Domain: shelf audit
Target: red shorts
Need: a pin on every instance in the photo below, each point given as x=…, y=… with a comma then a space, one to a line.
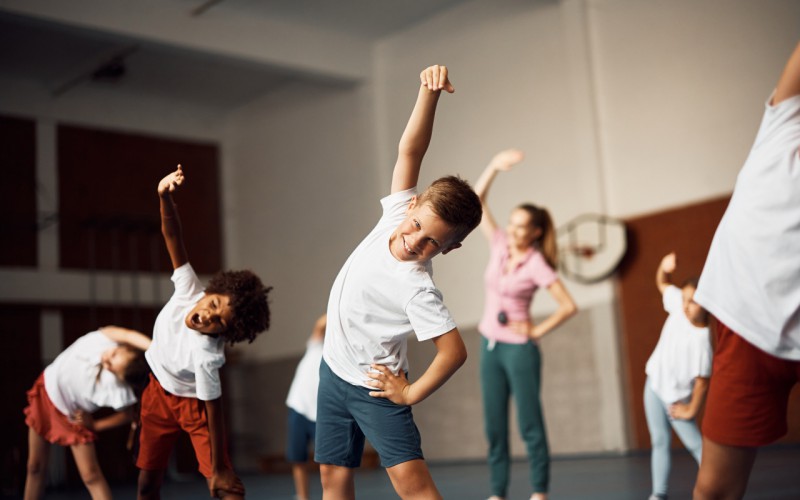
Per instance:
x=748, y=393
x=45, y=419
x=164, y=416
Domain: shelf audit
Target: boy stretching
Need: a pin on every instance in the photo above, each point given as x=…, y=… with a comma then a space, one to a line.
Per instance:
x=187, y=352
x=383, y=293
x=751, y=283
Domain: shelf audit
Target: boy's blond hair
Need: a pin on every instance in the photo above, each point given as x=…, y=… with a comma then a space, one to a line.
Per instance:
x=454, y=201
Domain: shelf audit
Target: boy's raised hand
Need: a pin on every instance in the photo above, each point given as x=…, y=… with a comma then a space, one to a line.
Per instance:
x=504, y=160
x=171, y=182
x=435, y=78
x=669, y=263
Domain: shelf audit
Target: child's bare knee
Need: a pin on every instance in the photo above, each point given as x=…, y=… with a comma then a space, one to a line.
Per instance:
x=36, y=467
x=91, y=475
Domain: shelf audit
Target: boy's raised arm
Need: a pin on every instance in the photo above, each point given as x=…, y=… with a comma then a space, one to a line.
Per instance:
x=170, y=221
x=417, y=135
x=789, y=82
x=665, y=268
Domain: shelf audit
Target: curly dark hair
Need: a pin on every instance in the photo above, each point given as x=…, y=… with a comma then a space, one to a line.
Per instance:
x=248, y=299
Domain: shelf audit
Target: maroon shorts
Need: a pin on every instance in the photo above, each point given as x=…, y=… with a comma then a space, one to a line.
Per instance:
x=47, y=421
x=164, y=416
x=748, y=393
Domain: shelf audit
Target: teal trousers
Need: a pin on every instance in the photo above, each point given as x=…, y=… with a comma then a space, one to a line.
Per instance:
x=513, y=370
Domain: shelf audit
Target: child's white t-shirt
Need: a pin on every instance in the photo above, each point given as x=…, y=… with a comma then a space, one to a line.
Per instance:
x=72, y=382
x=376, y=301
x=751, y=279
x=682, y=354
x=302, y=396
x=185, y=362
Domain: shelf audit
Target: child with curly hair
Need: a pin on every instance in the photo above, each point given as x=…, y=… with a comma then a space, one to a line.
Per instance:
x=187, y=352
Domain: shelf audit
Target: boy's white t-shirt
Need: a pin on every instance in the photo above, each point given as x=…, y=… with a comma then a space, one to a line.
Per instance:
x=377, y=301
x=302, y=396
x=185, y=362
x=751, y=279
x=682, y=354
x=72, y=382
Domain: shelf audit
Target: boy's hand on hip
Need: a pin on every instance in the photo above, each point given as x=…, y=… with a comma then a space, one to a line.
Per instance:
x=227, y=481
x=389, y=386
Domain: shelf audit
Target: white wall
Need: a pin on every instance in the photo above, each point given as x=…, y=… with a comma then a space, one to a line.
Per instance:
x=681, y=86
x=300, y=194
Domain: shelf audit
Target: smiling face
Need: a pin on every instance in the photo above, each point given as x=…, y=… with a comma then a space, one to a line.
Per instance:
x=422, y=235
x=116, y=360
x=211, y=315
x=520, y=229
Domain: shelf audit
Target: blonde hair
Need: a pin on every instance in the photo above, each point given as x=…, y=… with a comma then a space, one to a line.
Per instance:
x=454, y=201
x=546, y=242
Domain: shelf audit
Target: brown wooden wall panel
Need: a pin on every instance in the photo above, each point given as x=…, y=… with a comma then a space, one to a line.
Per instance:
x=20, y=365
x=688, y=231
x=18, y=192
x=109, y=209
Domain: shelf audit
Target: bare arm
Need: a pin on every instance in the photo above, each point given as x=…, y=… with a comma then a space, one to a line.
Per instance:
x=318, y=333
x=665, y=269
x=116, y=419
x=170, y=221
x=223, y=478
x=789, y=82
x=125, y=336
x=684, y=411
x=566, y=309
x=502, y=161
x=451, y=353
x=417, y=135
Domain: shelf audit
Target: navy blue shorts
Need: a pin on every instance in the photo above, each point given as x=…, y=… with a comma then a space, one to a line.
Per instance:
x=346, y=414
x=299, y=437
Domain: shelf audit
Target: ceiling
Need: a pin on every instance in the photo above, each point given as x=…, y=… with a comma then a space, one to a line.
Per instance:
x=59, y=55
x=371, y=19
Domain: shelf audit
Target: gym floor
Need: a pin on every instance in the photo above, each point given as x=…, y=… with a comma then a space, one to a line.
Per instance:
x=776, y=476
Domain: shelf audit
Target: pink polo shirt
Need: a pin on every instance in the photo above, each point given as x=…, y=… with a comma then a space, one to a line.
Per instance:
x=511, y=292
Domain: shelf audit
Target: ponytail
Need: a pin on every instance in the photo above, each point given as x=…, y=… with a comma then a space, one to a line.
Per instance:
x=546, y=242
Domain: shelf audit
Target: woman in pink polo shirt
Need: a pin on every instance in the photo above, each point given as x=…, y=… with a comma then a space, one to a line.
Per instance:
x=522, y=259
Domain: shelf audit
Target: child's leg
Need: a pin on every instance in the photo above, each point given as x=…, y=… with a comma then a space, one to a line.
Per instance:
x=495, y=393
x=38, y=455
x=89, y=468
x=299, y=434
x=149, y=484
x=412, y=479
x=724, y=471
x=337, y=482
x=690, y=436
x=660, y=439
x=523, y=363
x=300, y=475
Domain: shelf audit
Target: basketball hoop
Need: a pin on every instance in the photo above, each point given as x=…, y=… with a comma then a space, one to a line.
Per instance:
x=591, y=247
